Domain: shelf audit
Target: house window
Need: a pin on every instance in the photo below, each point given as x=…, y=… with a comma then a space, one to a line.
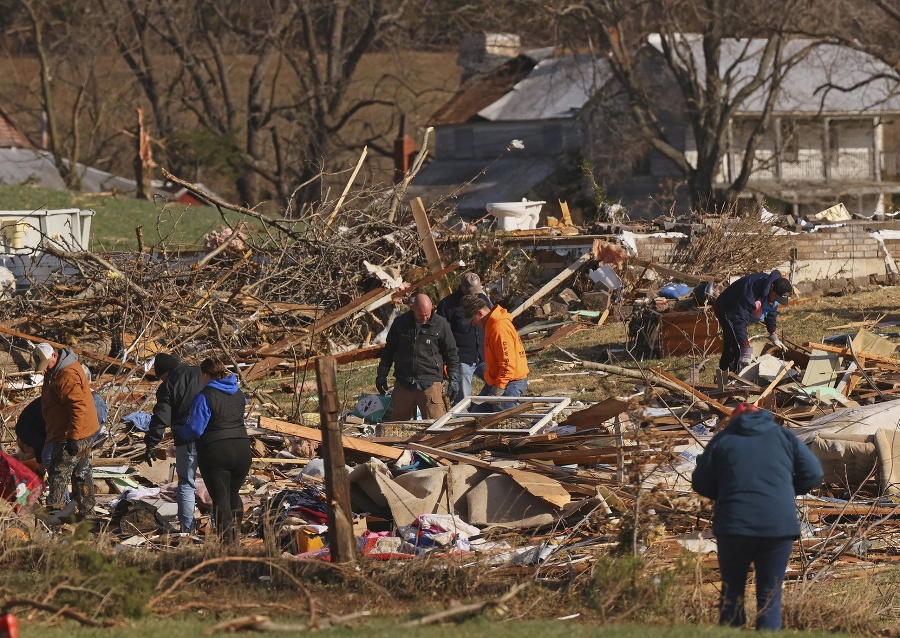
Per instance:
x=790, y=141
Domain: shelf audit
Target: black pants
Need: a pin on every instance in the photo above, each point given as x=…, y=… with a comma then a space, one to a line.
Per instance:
x=224, y=465
x=731, y=349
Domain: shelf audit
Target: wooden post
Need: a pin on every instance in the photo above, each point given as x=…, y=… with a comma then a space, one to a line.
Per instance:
x=432, y=255
x=337, y=482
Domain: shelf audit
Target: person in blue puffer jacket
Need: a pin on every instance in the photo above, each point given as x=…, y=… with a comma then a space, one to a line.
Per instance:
x=751, y=299
x=753, y=469
x=216, y=424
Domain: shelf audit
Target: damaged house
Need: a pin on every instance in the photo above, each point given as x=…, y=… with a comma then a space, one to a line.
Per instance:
x=831, y=135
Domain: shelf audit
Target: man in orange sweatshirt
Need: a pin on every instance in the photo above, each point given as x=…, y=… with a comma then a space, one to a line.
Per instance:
x=506, y=372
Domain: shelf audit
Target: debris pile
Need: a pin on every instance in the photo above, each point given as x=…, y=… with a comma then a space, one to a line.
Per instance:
x=535, y=489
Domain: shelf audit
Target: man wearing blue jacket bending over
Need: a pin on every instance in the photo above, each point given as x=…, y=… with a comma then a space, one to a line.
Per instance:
x=751, y=299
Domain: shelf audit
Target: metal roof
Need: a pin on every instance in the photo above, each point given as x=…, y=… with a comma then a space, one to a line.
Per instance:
x=554, y=89
x=858, y=81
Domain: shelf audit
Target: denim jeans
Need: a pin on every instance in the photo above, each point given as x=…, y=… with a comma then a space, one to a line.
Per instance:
x=513, y=389
x=769, y=556
x=467, y=371
x=186, y=468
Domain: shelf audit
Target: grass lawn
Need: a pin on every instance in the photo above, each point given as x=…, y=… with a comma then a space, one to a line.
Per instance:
x=113, y=225
x=384, y=628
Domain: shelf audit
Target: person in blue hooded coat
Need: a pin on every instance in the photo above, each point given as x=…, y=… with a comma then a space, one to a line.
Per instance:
x=216, y=424
x=751, y=299
x=753, y=470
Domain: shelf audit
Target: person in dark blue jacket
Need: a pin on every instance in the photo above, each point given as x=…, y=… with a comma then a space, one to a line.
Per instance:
x=469, y=337
x=216, y=424
x=750, y=299
x=753, y=469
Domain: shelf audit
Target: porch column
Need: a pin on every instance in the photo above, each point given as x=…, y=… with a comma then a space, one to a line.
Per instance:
x=778, y=149
x=877, y=147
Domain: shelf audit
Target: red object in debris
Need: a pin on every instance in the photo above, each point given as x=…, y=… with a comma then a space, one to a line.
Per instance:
x=9, y=625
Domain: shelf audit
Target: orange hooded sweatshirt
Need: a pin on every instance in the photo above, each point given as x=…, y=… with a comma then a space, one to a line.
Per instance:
x=504, y=353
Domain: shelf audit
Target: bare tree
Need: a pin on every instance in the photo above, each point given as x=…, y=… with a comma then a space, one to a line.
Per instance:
x=717, y=58
x=268, y=81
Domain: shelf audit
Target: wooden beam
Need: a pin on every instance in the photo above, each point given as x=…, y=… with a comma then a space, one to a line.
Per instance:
x=341, y=544
x=350, y=443
x=75, y=349
x=426, y=239
x=481, y=424
x=718, y=407
x=553, y=283
x=846, y=353
x=774, y=383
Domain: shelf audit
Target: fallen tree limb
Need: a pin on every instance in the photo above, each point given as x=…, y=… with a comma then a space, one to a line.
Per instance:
x=465, y=610
x=59, y=611
x=647, y=377
x=85, y=255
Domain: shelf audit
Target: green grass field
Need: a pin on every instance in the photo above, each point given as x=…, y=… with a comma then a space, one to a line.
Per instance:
x=113, y=225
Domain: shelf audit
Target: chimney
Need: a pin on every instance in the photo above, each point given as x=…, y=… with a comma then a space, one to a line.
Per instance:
x=404, y=150
x=481, y=53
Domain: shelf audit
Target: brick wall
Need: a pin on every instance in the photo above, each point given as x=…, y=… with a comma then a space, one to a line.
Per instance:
x=848, y=251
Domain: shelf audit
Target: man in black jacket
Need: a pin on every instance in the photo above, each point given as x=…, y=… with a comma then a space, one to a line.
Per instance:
x=179, y=384
x=419, y=344
x=469, y=337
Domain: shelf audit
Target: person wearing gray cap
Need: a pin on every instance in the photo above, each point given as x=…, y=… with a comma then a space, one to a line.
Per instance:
x=469, y=336
x=67, y=406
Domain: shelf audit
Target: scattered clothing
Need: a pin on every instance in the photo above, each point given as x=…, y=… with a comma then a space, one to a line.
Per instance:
x=140, y=421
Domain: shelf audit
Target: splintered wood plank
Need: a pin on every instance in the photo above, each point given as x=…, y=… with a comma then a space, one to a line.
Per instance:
x=845, y=352
x=426, y=239
x=337, y=480
x=350, y=443
x=594, y=415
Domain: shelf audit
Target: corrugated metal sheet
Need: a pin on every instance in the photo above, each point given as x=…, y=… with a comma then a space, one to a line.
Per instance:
x=805, y=84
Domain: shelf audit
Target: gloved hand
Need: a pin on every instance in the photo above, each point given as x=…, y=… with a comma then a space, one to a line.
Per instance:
x=381, y=381
x=150, y=455
x=453, y=388
x=71, y=447
x=776, y=341
x=496, y=391
x=746, y=355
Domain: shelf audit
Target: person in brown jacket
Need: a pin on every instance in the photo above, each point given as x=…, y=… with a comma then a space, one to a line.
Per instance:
x=68, y=408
